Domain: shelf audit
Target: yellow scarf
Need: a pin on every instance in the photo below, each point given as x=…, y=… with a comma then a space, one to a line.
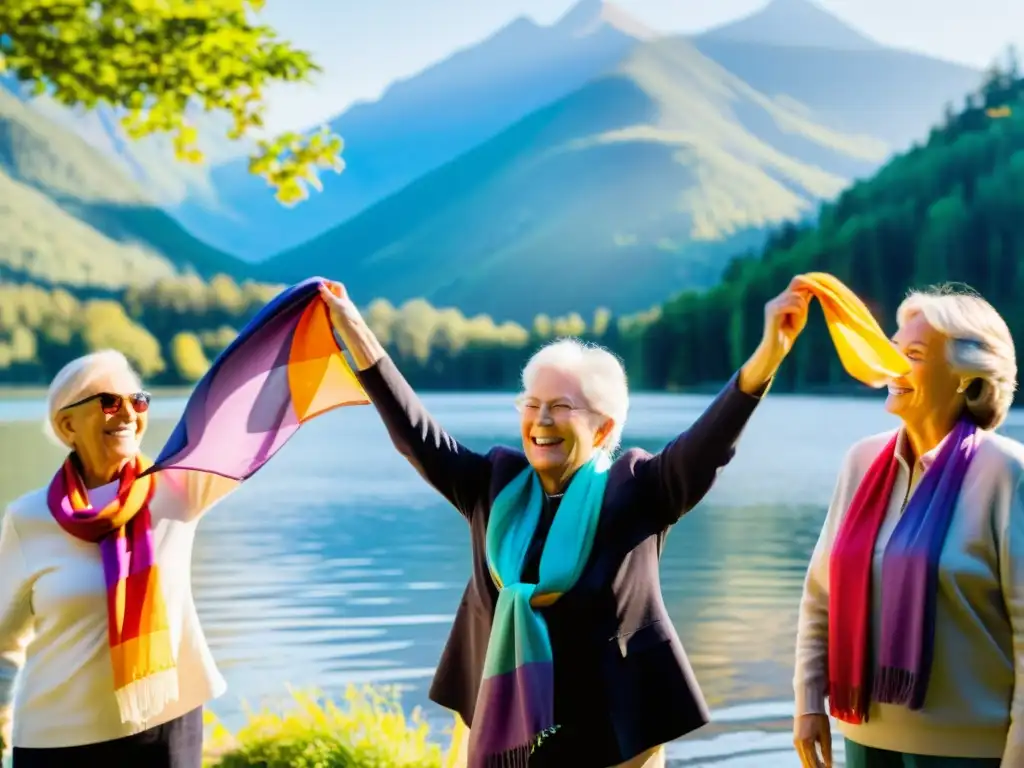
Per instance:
x=864, y=350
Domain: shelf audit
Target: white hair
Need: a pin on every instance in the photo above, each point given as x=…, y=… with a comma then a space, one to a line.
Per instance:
x=600, y=374
x=980, y=348
x=74, y=380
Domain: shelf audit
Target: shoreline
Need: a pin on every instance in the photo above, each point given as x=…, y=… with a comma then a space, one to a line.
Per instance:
x=38, y=392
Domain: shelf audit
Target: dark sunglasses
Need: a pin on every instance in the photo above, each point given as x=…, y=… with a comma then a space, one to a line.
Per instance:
x=111, y=403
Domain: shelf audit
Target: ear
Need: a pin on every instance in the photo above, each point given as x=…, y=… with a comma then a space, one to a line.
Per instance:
x=603, y=431
x=64, y=426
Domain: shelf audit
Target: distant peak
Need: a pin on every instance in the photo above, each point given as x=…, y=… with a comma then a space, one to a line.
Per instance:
x=590, y=16
x=801, y=23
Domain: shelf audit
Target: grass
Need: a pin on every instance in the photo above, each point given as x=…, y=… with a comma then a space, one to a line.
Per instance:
x=367, y=729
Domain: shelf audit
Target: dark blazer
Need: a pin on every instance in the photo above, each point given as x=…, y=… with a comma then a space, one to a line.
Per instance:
x=623, y=683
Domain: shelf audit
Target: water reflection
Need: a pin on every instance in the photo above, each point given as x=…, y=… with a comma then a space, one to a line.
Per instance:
x=337, y=563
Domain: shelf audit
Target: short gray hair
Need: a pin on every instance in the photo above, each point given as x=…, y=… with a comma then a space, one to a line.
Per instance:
x=980, y=348
x=601, y=376
x=73, y=381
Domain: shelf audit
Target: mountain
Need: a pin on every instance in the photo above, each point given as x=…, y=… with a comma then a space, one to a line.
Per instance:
x=950, y=209
x=796, y=50
x=150, y=162
x=69, y=216
x=419, y=124
x=797, y=23
x=632, y=187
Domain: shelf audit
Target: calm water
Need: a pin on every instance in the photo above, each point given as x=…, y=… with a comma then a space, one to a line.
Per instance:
x=337, y=564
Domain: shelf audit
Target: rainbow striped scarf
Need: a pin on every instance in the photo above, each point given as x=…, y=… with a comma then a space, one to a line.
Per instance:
x=515, y=706
x=145, y=674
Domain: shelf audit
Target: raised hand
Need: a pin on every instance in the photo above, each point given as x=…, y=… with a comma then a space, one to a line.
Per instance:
x=343, y=310
x=364, y=347
x=785, y=317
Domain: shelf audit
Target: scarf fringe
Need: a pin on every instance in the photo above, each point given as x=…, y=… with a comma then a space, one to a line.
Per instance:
x=518, y=757
x=846, y=703
x=144, y=699
x=894, y=686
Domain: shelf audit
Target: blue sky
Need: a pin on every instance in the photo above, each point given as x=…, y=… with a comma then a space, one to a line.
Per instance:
x=363, y=45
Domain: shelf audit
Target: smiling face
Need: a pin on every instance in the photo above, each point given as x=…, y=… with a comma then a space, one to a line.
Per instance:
x=929, y=391
x=560, y=433
x=105, y=426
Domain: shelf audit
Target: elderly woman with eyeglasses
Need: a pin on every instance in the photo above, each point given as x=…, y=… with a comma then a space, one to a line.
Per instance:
x=912, y=618
x=562, y=652
x=112, y=665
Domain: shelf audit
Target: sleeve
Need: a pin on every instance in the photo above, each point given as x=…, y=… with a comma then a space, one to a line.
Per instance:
x=459, y=474
x=810, y=673
x=1011, y=575
x=677, y=478
x=15, y=616
x=203, y=490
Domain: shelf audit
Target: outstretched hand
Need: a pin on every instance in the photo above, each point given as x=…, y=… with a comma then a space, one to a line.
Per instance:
x=350, y=326
x=344, y=312
x=785, y=318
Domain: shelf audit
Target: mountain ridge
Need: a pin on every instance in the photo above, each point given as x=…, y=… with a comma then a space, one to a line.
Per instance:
x=71, y=217
x=796, y=23
x=658, y=164
x=417, y=125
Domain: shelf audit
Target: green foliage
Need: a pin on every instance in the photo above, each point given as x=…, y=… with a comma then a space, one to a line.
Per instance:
x=950, y=210
x=105, y=325
x=188, y=357
x=156, y=59
x=369, y=729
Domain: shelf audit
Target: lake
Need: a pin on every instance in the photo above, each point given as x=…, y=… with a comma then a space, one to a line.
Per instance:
x=338, y=564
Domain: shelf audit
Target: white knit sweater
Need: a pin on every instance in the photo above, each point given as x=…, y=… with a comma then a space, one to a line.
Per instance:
x=975, y=701
x=54, y=653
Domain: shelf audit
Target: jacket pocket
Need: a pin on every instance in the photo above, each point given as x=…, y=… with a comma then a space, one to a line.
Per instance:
x=642, y=639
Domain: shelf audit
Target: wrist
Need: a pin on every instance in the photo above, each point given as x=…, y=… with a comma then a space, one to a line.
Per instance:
x=759, y=369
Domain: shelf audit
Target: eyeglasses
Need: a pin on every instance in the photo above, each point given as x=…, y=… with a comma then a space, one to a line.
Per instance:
x=111, y=403
x=558, y=410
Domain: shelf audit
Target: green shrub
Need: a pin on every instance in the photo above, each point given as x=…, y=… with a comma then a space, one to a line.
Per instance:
x=368, y=730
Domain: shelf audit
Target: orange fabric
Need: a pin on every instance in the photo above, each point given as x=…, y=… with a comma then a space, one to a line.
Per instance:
x=865, y=351
x=319, y=377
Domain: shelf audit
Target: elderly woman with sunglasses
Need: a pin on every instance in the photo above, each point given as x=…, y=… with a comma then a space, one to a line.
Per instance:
x=912, y=619
x=562, y=652
x=112, y=665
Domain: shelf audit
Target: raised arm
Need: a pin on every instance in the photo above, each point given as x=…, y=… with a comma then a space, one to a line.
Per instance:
x=15, y=619
x=677, y=478
x=1011, y=573
x=458, y=473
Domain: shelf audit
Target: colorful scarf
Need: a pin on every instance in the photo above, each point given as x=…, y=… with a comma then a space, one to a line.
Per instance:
x=910, y=565
x=864, y=350
x=145, y=674
x=515, y=706
x=285, y=368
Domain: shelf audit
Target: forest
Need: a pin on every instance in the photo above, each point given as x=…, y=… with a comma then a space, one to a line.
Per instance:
x=949, y=209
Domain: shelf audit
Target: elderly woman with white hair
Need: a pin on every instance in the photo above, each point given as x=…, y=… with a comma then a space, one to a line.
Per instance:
x=112, y=667
x=562, y=652
x=912, y=618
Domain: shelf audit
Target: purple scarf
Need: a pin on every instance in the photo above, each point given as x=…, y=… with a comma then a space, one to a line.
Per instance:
x=910, y=574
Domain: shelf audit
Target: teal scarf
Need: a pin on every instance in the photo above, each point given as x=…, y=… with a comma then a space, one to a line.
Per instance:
x=515, y=704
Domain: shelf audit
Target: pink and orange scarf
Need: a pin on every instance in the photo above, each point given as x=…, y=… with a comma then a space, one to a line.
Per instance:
x=145, y=673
